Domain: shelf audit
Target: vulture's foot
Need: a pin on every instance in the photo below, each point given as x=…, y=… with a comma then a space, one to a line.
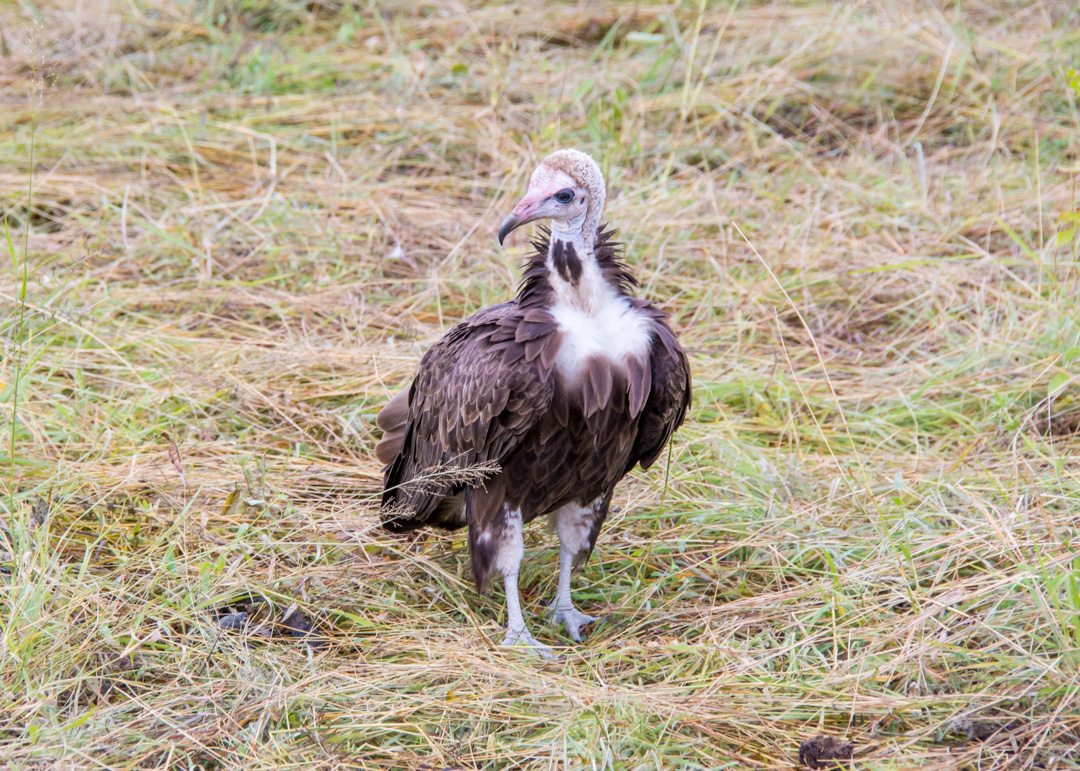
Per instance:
x=573, y=619
x=524, y=638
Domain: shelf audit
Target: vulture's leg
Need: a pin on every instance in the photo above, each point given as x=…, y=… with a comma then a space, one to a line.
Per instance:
x=510, y=550
x=577, y=527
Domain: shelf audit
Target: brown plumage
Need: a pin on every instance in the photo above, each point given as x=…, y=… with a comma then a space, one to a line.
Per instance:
x=529, y=385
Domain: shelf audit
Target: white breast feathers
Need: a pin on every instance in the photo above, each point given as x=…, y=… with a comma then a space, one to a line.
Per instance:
x=613, y=330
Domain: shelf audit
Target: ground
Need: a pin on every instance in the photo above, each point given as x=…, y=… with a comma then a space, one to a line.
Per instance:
x=234, y=227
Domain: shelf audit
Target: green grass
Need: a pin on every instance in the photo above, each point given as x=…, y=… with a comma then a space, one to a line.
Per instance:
x=249, y=219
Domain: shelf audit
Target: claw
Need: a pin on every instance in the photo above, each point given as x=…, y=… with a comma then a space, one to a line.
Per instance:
x=573, y=619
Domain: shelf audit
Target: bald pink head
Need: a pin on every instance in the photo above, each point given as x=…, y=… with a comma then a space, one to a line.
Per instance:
x=567, y=188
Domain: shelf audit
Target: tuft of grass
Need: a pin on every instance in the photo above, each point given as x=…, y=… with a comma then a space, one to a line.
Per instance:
x=249, y=219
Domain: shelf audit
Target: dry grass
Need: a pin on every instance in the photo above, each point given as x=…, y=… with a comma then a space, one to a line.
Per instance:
x=247, y=220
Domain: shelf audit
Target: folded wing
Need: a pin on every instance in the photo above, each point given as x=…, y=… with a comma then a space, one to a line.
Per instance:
x=668, y=394
x=477, y=392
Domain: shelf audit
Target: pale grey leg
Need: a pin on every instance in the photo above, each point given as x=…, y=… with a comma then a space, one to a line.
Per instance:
x=508, y=562
x=573, y=524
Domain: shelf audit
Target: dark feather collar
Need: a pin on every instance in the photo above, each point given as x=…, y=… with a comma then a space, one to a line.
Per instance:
x=535, y=290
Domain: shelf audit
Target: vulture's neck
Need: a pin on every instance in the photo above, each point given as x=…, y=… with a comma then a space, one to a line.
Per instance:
x=575, y=270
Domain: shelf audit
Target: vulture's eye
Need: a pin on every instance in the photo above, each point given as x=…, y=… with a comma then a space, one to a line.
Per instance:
x=565, y=196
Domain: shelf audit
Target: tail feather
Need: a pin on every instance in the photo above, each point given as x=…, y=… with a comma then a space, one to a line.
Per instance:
x=393, y=419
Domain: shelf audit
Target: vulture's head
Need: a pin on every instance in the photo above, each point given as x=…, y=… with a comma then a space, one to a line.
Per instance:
x=566, y=188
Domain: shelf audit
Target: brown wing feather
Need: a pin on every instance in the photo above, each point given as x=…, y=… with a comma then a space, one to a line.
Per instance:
x=669, y=392
x=477, y=392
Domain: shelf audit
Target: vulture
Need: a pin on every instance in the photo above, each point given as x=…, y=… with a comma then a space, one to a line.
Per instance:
x=537, y=406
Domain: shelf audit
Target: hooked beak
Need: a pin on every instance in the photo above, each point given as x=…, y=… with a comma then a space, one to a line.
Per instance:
x=527, y=210
x=509, y=224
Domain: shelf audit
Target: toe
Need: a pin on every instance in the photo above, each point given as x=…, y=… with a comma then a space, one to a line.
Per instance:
x=525, y=640
x=574, y=621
